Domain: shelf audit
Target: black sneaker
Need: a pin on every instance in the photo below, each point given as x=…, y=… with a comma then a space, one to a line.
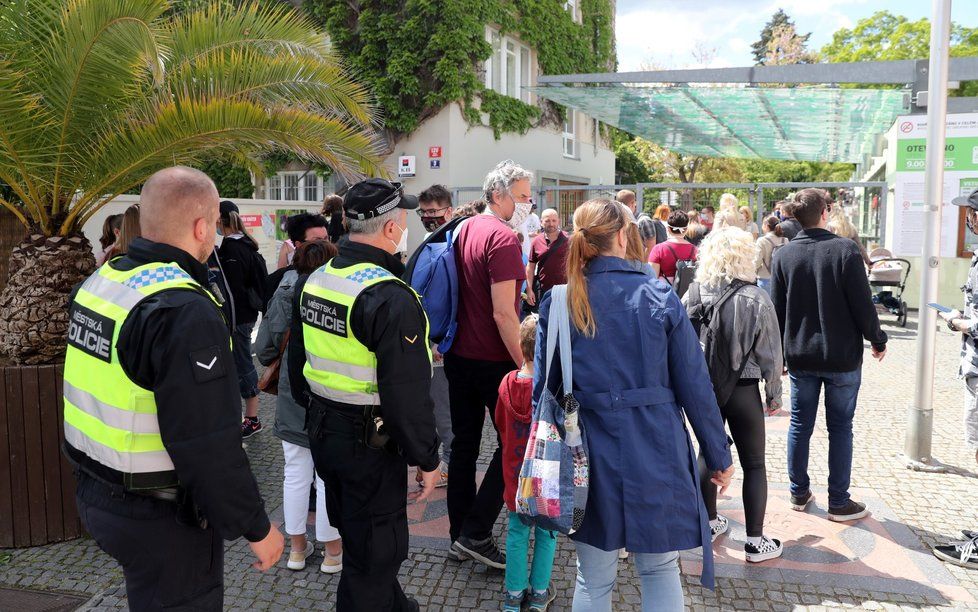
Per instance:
x=720, y=528
x=959, y=553
x=968, y=534
x=850, y=512
x=800, y=502
x=483, y=551
x=769, y=548
x=411, y=605
x=250, y=427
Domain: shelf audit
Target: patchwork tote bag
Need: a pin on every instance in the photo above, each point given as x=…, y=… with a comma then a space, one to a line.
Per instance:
x=553, y=483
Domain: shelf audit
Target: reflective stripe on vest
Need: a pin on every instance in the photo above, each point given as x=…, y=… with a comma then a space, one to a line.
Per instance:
x=338, y=367
x=107, y=416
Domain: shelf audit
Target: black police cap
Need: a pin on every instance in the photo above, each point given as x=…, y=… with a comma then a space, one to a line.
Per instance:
x=970, y=200
x=374, y=197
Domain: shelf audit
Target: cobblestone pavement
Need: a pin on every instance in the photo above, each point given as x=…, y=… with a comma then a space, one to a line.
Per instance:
x=879, y=563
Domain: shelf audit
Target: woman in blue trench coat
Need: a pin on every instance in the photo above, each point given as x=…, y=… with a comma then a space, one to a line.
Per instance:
x=638, y=368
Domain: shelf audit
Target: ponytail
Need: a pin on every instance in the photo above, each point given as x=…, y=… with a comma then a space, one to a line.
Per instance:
x=234, y=222
x=596, y=223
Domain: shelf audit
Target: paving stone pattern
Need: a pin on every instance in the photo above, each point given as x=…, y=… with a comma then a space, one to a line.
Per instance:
x=881, y=563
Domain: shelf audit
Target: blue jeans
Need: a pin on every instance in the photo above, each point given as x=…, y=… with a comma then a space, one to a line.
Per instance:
x=243, y=363
x=841, y=391
x=597, y=570
x=518, y=551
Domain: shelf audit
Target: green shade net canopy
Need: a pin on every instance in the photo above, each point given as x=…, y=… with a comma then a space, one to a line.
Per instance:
x=798, y=123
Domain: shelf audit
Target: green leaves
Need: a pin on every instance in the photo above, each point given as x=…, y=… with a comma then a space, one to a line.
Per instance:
x=419, y=55
x=98, y=94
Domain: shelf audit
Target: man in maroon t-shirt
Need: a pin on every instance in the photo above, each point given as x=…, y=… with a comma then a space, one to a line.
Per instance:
x=541, y=277
x=489, y=259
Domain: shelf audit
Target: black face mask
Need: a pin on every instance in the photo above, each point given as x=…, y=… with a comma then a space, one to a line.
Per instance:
x=433, y=223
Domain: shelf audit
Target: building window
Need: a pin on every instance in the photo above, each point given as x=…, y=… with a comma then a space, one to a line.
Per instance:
x=570, y=135
x=311, y=187
x=296, y=186
x=275, y=187
x=572, y=7
x=290, y=184
x=509, y=67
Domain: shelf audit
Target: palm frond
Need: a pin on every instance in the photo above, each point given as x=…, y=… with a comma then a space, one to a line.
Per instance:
x=251, y=74
x=93, y=64
x=184, y=131
x=220, y=29
x=23, y=164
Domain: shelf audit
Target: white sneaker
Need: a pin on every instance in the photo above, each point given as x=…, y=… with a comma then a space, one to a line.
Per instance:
x=622, y=553
x=297, y=558
x=331, y=564
x=769, y=548
x=718, y=527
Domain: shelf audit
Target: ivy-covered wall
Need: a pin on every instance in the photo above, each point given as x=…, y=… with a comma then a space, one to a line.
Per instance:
x=418, y=56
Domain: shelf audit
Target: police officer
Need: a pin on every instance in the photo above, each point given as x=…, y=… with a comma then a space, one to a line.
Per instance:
x=360, y=362
x=151, y=409
x=967, y=325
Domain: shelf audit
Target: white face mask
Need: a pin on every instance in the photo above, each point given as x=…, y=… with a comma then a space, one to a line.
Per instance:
x=520, y=214
x=401, y=245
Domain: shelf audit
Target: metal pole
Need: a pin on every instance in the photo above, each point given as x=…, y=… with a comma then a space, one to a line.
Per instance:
x=920, y=421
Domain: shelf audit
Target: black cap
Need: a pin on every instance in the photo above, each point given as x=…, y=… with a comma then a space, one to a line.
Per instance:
x=228, y=207
x=971, y=200
x=374, y=197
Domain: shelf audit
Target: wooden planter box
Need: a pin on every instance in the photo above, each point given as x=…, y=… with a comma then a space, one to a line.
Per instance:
x=37, y=488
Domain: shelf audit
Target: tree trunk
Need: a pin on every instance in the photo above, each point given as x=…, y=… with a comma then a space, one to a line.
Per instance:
x=12, y=232
x=34, y=304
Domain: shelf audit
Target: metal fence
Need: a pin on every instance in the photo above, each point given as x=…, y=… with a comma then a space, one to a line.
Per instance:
x=864, y=202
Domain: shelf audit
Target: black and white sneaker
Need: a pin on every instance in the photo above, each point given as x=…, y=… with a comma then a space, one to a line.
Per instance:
x=718, y=527
x=483, y=551
x=967, y=534
x=769, y=548
x=964, y=554
x=850, y=512
x=800, y=502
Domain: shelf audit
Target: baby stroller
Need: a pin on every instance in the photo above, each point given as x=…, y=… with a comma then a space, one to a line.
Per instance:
x=887, y=279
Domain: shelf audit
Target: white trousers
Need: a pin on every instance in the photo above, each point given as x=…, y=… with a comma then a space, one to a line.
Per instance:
x=299, y=474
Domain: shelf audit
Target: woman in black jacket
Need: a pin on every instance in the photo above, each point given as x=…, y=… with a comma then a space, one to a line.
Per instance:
x=245, y=273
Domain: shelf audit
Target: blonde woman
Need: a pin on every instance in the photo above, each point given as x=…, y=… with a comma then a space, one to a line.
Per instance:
x=749, y=224
x=751, y=341
x=840, y=225
x=643, y=492
x=728, y=216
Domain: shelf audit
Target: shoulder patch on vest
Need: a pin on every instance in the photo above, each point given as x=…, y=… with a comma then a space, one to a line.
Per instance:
x=91, y=332
x=324, y=314
x=207, y=364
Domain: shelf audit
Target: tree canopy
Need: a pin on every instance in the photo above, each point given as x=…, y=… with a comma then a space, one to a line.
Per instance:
x=779, y=30
x=885, y=36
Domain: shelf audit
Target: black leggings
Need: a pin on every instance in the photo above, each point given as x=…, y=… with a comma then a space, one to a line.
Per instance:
x=744, y=414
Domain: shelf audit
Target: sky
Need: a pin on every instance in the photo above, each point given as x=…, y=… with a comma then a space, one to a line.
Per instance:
x=671, y=33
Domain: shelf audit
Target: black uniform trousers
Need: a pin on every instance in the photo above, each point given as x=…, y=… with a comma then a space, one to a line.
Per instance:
x=366, y=497
x=167, y=565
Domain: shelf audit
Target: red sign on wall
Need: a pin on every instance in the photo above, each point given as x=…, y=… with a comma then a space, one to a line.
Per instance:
x=434, y=152
x=251, y=220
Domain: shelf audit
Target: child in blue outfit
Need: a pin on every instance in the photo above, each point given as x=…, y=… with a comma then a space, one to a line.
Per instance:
x=513, y=417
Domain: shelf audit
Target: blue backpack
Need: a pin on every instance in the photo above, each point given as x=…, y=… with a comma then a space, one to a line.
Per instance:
x=431, y=272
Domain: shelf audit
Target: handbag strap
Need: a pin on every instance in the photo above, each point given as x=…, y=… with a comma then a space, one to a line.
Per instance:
x=558, y=330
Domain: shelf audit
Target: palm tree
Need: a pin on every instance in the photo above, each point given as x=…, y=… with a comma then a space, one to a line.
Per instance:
x=99, y=94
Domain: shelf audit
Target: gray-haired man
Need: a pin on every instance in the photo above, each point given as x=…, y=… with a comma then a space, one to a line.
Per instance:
x=489, y=260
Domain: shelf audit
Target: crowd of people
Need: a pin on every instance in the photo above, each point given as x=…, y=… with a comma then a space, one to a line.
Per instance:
x=659, y=301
